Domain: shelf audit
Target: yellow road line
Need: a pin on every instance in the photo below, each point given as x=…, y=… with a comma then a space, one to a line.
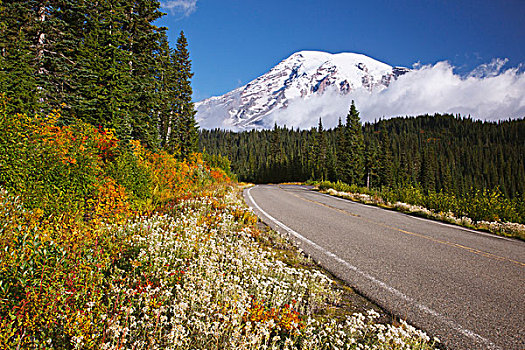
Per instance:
x=420, y=235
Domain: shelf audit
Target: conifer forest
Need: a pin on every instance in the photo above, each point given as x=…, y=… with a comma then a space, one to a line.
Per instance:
x=434, y=152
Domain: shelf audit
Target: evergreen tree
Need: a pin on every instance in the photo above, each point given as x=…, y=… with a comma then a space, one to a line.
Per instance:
x=354, y=168
x=428, y=170
x=104, y=82
x=185, y=132
x=143, y=41
x=275, y=147
x=59, y=32
x=17, y=58
x=320, y=155
x=39, y=45
x=341, y=147
x=331, y=164
x=386, y=164
x=372, y=163
x=165, y=82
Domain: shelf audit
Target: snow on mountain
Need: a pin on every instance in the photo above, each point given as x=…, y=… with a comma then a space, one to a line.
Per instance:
x=303, y=75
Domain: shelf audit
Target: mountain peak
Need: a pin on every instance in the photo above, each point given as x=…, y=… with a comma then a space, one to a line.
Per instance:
x=300, y=76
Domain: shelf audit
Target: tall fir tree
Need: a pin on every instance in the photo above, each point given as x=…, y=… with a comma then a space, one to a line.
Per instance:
x=143, y=41
x=341, y=149
x=372, y=163
x=17, y=57
x=275, y=147
x=105, y=84
x=385, y=158
x=428, y=169
x=48, y=35
x=353, y=168
x=320, y=155
x=60, y=29
x=184, y=134
x=165, y=79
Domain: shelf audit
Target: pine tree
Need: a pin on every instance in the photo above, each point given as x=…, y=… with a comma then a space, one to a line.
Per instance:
x=165, y=80
x=341, y=147
x=354, y=168
x=17, y=58
x=428, y=169
x=372, y=163
x=185, y=132
x=331, y=173
x=49, y=35
x=104, y=82
x=93, y=60
x=143, y=41
x=59, y=36
x=386, y=164
x=320, y=165
x=275, y=147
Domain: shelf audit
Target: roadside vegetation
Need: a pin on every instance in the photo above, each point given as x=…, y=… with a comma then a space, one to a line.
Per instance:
x=108, y=245
x=483, y=210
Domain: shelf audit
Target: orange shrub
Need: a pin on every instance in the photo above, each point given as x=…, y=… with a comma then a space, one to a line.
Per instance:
x=285, y=317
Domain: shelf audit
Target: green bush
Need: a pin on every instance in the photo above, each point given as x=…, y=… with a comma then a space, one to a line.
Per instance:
x=129, y=173
x=479, y=205
x=219, y=161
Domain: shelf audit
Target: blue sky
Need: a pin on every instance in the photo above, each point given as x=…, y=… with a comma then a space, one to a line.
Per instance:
x=234, y=41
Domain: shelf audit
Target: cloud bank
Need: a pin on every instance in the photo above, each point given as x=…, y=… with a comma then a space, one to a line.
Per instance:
x=487, y=93
x=185, y=7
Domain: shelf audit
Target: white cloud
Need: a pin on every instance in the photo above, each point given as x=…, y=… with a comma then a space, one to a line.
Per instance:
x=487, y=93
x=186, y=7
x=491, y=69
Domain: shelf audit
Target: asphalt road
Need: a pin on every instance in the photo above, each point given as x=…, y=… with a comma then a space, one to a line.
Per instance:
x=465, y=287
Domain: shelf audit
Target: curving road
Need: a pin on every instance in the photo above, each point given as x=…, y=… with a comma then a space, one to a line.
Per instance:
x=465, y=287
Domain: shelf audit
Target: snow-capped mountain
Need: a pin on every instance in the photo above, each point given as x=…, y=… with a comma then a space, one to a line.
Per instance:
x=301, y=76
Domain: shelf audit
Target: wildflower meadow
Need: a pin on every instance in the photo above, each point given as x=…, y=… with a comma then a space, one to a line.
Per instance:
x=108, y=245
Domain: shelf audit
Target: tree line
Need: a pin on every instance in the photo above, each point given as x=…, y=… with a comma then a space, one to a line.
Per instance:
x=433, y=152
x=104, y=62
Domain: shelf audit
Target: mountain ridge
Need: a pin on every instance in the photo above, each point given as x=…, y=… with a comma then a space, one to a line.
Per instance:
x=302, y=75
